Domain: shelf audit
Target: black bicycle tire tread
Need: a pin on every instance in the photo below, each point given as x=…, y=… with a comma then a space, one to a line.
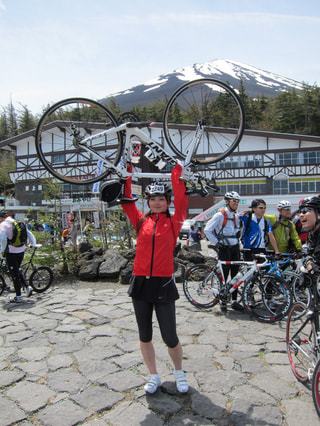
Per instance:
x=38, y=143
x=2, y=284
x=253, y=313
x=42, y=289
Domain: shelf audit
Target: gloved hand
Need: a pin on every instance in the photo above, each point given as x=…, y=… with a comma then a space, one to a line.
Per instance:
x=312, y=267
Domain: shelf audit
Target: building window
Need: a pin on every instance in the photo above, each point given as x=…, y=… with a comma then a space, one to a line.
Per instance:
x=26, y=188
x=58, y=158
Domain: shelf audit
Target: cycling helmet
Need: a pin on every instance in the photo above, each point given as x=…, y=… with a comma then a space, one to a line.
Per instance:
x=284, y=205
x=231, y=196
x=312, y=202
x=158, y=188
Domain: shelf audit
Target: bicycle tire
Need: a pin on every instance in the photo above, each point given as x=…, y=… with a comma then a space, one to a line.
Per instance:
x=301, y=342
x=300, y=291
x=60, y=131
x=41, y=279
x=316, y=387
x=2, y=284
x=218, y=106
x=198, y=290
x=267, y=298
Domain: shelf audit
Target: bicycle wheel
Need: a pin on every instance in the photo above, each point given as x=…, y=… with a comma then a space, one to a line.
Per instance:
x=267, y=298
x=41, y=279
x=58, y=141
x=316, y=387
x=2, y=284
x=301, y=342
x=201, y=285
x=300, y=285
x=213, y=103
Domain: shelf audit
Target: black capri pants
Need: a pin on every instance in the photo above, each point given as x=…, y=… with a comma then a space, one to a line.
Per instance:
x=166, y=316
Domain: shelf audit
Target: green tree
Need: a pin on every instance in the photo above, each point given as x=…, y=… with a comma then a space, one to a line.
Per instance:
x=12, y=120
x=26, y=120
x=8, y=164
x=4, y=129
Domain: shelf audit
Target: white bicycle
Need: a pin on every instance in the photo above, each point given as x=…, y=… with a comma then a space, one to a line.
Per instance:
x=79, y=141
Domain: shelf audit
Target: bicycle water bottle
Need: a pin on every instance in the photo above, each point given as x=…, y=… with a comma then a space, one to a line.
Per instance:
x=135, y=151
x=236, y=278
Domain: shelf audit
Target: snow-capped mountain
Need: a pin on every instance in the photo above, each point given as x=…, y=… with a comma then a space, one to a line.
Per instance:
x=257, y=82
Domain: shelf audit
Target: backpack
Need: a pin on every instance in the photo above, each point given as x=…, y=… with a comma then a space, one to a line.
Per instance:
x=225, y=219
x=287, y=226
x=19, y=234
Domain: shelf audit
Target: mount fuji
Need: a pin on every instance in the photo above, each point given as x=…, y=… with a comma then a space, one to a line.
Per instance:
x=256, y=82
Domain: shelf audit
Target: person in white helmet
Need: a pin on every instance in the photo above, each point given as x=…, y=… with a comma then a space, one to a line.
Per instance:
x=283, y=228
x=223, y=231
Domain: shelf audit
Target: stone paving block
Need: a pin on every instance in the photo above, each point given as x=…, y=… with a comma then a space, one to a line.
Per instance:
x=10, y=413
x=30, y=396
x=8, y=377
x=36, y=353
x=97, y=398
x=59, y=361
x=64, y=413
x=246, y=413
x=132, y=413
x=97, y=370
x=209, y=405
x=122, y=381
x=66, y=380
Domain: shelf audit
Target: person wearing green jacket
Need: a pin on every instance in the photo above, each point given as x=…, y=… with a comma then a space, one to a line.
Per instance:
x=283, y=228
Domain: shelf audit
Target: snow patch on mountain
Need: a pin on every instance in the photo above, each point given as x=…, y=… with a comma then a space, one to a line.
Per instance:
x=256, y=82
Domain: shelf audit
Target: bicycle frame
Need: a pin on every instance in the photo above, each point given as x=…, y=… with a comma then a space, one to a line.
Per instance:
x=252, y=267
x=155, y=154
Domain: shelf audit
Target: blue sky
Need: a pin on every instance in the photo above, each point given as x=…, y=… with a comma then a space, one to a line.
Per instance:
x=53, y=49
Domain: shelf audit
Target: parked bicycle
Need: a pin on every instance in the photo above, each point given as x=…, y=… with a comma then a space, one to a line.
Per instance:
x=303, y=341
x=39, y=278
x=79, y=141
x=287, y=266
x=265, y=296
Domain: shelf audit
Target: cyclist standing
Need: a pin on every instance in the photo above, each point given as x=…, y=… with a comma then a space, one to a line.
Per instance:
x=223, y=231
x=257, y=230
x=153, y=286
x=14, y=255
x=310, y=220
x=283, y=228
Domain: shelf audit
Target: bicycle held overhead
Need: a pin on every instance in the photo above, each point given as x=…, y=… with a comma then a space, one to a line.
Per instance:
x=79, y=141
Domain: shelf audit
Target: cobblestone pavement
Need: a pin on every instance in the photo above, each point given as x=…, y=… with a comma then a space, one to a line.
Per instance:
x=71, y=356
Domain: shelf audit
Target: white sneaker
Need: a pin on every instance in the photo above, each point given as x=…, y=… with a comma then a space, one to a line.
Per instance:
x=153, y=383
x=15, y=299
x=28, y=291
x=181, y=381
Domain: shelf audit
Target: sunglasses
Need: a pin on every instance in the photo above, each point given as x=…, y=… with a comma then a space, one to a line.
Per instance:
x=261, y=207
x=305, y=210
x=235, y=201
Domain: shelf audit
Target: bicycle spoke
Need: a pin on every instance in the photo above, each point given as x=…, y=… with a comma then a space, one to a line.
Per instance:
x=213, y=103
x=59, y=137
x=200, y=286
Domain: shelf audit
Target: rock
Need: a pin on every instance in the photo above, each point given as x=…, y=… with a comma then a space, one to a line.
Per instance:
x=111, y=266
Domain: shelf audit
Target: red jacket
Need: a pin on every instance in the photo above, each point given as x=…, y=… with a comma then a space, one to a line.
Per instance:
x=158, y=234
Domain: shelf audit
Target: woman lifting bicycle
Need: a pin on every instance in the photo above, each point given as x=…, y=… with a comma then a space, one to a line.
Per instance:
x=153, y=284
